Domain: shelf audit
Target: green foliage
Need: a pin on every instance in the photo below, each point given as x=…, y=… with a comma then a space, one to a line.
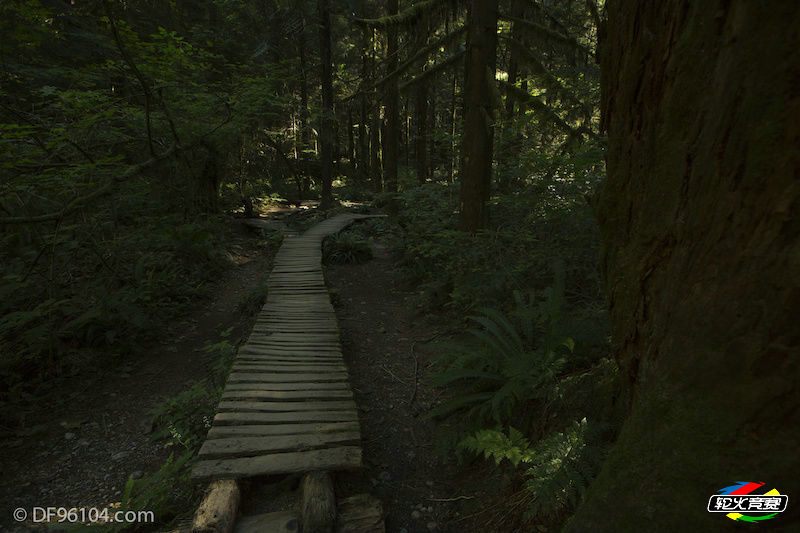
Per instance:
x=168, y=492
x=345, y=248
x=254, y=300
x=508, y=361
x=96, y=289
x=184, y=420
x=557, y=469
x=218, y=358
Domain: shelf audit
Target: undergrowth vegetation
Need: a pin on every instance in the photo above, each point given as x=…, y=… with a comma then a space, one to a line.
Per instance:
x=345, y=248
x=181, y=424
x=528, y=381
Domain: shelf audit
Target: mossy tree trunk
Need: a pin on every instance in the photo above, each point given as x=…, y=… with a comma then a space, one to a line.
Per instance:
x=479, y=110
x=699, y=218
x=326, y=136
x=390, y=139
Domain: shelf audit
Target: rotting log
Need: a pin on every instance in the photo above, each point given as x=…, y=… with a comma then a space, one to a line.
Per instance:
x=317, y=503
x=362, y=513
x=217, y=512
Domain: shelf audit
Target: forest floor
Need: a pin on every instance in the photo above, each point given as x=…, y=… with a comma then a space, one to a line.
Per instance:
x=382, y=339
x=96, y=428
x=96, y=432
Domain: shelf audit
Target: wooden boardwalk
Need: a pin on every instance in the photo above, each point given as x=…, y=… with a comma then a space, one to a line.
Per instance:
x=287, y=405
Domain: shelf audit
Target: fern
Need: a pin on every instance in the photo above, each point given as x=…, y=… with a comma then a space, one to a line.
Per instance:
x=345, y=248
x=505, y=362
x=557, y=469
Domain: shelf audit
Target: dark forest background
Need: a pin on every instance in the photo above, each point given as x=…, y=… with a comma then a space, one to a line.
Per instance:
x=600, y=201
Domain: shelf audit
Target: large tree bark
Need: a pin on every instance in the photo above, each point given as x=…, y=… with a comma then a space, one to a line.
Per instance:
x=421, y=137
x=391, y=107
x=699, y=218
x=326, y=123
x=478, y=114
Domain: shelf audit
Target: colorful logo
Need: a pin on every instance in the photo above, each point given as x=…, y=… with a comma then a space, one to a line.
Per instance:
x=748, y=501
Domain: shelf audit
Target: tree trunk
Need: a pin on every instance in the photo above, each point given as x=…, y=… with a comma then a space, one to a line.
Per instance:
x=303, y=134
x=699, y=218
x=326, y=122
x=391, y=103
x=478, y=114
x=421, y=137
x=375, y=152
x=351, y=145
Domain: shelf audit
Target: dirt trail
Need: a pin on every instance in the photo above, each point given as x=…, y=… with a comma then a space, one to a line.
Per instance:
x=378, y=328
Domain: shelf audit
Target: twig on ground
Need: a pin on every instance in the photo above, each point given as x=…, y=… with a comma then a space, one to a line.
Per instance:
x=416, y=366
x=392, y=374
x=451, y=499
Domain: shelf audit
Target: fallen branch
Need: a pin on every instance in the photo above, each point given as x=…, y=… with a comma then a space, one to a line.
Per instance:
x=416, y=365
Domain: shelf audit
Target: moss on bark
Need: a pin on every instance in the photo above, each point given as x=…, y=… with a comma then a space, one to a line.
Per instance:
x=699, y=218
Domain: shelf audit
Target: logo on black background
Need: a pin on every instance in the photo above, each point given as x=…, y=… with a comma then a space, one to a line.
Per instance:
x=748, y=501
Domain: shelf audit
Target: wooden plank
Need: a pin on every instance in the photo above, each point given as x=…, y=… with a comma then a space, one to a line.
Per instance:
x=296, y=417
x=261, y=340
x=252, y=349
x=250, y=446
x=241, y=377
x=296, y=338
x=280, y=363
x=289, y=359
x=333, y=385
x=267, y=406
x=254, y=430
x=338, y=394
x=342, y=458
x=260, y=349
x=254, y=367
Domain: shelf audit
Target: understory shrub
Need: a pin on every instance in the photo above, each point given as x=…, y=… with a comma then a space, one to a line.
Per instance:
x=345, y=248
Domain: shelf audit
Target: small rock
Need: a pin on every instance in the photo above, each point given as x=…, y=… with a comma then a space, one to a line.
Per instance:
x=120, y=455
x=83, y=442
x=137, y=475
x=403, y=530
x=69, y=436
x=432, y=526
x=429, y=509
x=415, y=515
x=429, y=483
x=385, y=476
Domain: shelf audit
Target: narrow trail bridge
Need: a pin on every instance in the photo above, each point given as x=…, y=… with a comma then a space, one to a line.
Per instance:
x=287, y=406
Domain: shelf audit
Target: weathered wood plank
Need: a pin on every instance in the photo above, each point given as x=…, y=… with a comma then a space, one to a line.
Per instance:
x=343, y=458
x=244, y=366
x=252, y=349
x=245, y=430
x=289, y=359
x=337, y=394
x=319, y=386
x=297, y=417
x=264, y=377
x=250, y=446
x=278, y=349
x=267, y=406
